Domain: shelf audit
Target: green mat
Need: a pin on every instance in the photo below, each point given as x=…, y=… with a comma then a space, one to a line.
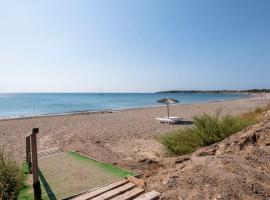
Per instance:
x=65, y=174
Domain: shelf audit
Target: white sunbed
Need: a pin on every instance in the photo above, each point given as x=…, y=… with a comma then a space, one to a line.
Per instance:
x=170, y=120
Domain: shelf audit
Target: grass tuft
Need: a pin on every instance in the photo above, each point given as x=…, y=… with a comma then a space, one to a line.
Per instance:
x=11, y=176
x=208, y=129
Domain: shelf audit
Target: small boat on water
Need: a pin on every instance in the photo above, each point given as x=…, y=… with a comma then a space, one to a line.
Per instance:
x=100, y=93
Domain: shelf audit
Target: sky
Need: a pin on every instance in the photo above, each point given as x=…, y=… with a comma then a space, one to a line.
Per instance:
x=134, y=45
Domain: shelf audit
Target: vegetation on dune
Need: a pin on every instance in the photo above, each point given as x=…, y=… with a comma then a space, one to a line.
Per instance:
x=208, y=129
x=218, y=91
x=256, y=114
x=11, y=176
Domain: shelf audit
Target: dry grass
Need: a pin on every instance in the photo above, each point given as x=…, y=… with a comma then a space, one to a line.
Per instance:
x=256, y=114
x=11, y=176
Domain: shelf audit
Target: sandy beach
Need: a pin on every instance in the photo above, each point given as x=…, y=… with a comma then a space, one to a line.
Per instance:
x=126, y=138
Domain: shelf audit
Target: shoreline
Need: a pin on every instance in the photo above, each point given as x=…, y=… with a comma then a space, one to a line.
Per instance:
x=249, y=96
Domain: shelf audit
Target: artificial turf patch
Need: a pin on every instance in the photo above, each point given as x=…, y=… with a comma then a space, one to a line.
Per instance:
x=62, y=182
x=119, y=172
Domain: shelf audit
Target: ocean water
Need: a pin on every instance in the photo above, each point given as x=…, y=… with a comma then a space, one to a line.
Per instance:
x=33, y=104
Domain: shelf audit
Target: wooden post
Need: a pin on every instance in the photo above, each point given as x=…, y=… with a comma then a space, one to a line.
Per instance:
x=28, y=154
x=36, y=183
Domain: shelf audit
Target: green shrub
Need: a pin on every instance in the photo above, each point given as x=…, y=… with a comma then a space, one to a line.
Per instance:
x=212, y=129
x=207, y=129
x=181, y=142
x=11, y=177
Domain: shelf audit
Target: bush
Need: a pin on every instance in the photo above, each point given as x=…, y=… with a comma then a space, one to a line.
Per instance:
x=207, y=129
x=11, y=177
x=181, y=142
x=212, y=129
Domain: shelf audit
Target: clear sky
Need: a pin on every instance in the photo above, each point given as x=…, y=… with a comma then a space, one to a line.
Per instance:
x=133, y=45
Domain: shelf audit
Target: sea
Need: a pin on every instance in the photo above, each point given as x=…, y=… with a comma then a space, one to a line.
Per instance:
x=17, y=105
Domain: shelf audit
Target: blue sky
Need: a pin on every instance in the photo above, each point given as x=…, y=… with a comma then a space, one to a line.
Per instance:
x=133, y=46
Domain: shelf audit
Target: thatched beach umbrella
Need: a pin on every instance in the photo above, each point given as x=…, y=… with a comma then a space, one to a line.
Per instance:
x=168, y=101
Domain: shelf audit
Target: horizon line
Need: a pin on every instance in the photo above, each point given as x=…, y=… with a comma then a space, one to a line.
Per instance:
x=96, y=92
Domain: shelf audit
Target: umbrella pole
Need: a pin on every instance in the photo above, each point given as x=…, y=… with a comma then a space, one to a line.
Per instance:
x=168, y=111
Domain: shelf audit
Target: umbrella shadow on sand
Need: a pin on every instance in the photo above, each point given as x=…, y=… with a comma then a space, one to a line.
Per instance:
x=184, y=122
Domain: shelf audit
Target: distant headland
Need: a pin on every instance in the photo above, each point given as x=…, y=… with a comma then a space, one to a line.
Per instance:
x=217, y=91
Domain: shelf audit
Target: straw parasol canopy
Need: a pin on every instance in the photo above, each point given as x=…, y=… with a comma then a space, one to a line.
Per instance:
x=168, y=101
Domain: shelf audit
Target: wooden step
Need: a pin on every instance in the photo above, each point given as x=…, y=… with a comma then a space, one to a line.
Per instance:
x=129, y=194
x=49, y=152
x=101, y=190
x=114, y=192
x=149, y=196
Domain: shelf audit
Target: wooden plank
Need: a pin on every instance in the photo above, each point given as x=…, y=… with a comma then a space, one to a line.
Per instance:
x=101, y=190
x=149, y=196
x=49, y=152
x=114, y=192
x=130, y=194
x=136, y=181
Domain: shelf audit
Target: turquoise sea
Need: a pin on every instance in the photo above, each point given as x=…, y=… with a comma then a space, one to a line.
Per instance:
x=33, y=104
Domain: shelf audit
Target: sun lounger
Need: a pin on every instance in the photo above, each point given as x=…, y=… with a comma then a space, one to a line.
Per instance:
x=175, y=118
x=170, y=120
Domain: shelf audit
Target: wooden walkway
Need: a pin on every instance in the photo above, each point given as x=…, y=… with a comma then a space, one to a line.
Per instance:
x=49, y=152
x=130, y=188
